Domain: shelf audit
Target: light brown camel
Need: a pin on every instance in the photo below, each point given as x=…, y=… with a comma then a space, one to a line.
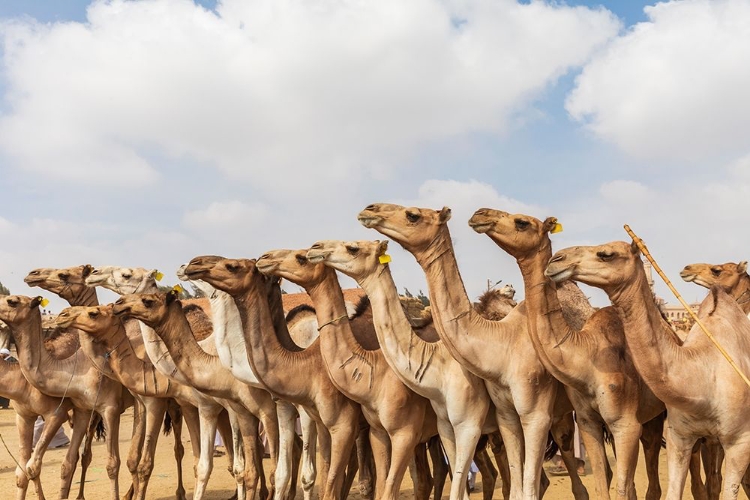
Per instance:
x=702, y=393
x=524, y=393
x=278, y=362
x=495, y=304
x=206, y=373
x=242, y=410
x=75, y=377
x=459, y=399
x=399, y=418
x=733, y=278
x=30, y=403
x=594, y=364
x=68, y=283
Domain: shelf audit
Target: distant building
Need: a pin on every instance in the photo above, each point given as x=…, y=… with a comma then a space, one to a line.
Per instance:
x=675, y=313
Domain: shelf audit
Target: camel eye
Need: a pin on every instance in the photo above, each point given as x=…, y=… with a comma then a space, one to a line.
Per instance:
x=716, y=271
x=93, y=314
x=605, y=256
x=231, y=267
x=352, y=249
x=301, y=260
x=522, y=224
x=64, y=276
x=13, y=302
x=412, y=217
x=148, y=302
x=126, y=276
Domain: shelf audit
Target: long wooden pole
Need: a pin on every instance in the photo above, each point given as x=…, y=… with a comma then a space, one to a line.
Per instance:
x=644, y=250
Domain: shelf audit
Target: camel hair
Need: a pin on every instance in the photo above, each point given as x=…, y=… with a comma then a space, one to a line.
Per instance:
x=703, y=395
x=732, y=277
x=74, y=377
x=240, y=400
x=289, y=372
x=525, y=395
x=68, y=283
x=399, y=418
x=593, y=364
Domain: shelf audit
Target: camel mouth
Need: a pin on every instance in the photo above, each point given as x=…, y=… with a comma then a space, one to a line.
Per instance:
x=33, y=280
x=688, y=276
x=195, y=273
x=63, y=323
x=369, y=220
x=316, y=257
x=120, y=309
x=480, y=227
x=181, y=273
x=266, y=267
x=558, y=275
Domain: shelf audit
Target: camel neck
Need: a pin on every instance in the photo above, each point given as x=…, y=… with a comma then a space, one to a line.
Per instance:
x=204, y=371
x=556, y=343
x=653, y=345
x=407, y=354
x=741, y=293
x=13, y=385
x=351, y=368
x=80, y=295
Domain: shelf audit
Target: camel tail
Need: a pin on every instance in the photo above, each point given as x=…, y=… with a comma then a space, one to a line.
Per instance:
x=170, y=421
x=551, y=449
x=101, y=431
x=608, y=437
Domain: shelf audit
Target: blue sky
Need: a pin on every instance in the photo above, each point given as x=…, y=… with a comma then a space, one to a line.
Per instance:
x=153, y=131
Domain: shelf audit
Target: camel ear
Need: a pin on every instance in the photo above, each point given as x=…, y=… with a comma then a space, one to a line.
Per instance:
x=634, y=248
x=35, y=302
x=87, y=270
x=445, y=215
x=742, y=267
x=172, y=295
x=549, y=224
x=382, y=247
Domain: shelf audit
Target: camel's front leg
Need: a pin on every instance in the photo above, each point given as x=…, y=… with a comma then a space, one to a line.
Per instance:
x=697, y=487
x=365, y=462
x=287, y=417
x=501, y=457
x=25, y=428
x=713, y=459
x=486, y=469
x=467, y=434
x=380, y=444
x=737, y=457
x=343, y=433
x=111, y=416
x=512, y=434
x=208, y=416
x=191, y=416
x=563, y=432
x=309, y=453
x=270, y=420
x=440, y=466
x=136, y=446
x=679, y=449
x=592, y=434
x=155, y=411
x=419, y=469
x=653, y=430
x=175, y=415
x=626, y=435
x=80, y=428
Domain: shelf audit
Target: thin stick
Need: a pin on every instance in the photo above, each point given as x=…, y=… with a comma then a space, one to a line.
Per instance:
x=14, y=458
x=642, y=247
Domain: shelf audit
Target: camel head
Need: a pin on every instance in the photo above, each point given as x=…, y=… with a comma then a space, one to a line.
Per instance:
x=123, y=280
x=413, y=228
x=15, y=309
x=97, y=321
x=229, y=275
x=151, y=308
x=357, y=259
x=727, y=276
x=294, y=266
x=507, y=291
x=518, y=234
x=604, y=266
x=207, y=289
x=68, y=283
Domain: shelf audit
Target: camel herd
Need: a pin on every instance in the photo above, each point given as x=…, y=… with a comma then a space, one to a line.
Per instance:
x=376, y=391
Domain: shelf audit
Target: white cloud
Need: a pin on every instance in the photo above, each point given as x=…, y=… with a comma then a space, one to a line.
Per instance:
x=220, y=216
x=674, y=87
x=290, y=95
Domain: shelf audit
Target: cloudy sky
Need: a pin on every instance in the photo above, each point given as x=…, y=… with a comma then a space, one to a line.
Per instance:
x=143, y=133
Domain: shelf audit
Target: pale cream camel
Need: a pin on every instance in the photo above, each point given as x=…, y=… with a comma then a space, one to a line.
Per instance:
x=733, y=278
x=399, y=418
x=280, y=364
x=702, y=393
x=459, y=399
x=75, y=377
x=30, y=403
x=594, y=364
x=123, y=280
x=206, y=373
x=142, y=378
x=149, y=412
x=524, y=393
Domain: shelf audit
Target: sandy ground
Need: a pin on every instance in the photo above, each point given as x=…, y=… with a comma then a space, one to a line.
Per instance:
x=220, y=486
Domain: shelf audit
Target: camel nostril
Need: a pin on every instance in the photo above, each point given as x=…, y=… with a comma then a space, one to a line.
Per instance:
x=370, y=207
x=556, y=258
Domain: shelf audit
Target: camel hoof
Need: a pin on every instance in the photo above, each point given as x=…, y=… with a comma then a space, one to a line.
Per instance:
x=233, y=497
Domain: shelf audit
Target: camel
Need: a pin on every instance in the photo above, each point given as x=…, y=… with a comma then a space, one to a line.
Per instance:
x=733, y=278
x=702, y=393
x=594, y=363
x=399, y=419
x=272, y=353
x=149, y=411
x=496, y=304
x=138, y=280
x=29, y=403
x=525, y=395
x=75, y=378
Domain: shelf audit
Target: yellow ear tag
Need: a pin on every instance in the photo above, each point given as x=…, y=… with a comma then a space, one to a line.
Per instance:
x=557, y=228
x=44, y=303
x=178, y=289
x=158, y=276
x=384, y=259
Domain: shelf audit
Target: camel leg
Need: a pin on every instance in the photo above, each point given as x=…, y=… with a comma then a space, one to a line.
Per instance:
x=309, y=454
x=501, y=457
x=283, y=483
x=713, y=458
x=365, y=462
x=678, y=459
x=251, y=467
x=402, y=449
x=593, y=439
x=136, y=446
x=87, y=456
x=487, y=470
x=175, y=413
x=440, y=468
x=746, y=482
x=25, y=428
x=697, y=488
x=155, y=410
x=342, y=436
x=190, y=416
x=512, y=433
x=80, y=428
x=737, y=457
x=563, y=432
x=350, y=470
x=270, y=423
x=419, y=469
x=380, y=442
x=653, y=430
x=111, y=418
x=208, y=417
x=536, y=428
x=626, y=436
x=467, y=434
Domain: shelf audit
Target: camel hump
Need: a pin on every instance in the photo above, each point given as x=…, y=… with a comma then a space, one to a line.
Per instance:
x=576, y=307
x=723, y=317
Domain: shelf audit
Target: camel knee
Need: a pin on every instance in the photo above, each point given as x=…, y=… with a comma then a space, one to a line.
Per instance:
x=68, y=466
x=203, y=470
x=22, y=481
x=144, y=470
x=113, y=467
